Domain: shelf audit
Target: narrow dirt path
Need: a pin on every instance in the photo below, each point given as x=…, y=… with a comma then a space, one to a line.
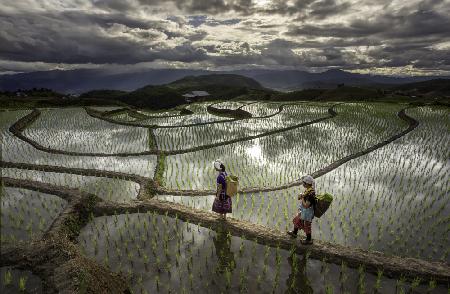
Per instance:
x=392, y=266
x=147, y=185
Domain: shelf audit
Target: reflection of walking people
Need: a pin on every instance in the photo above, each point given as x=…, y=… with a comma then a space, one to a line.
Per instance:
x=297, y=281
x=222, y=203
x=225, y=257
x=303, y=221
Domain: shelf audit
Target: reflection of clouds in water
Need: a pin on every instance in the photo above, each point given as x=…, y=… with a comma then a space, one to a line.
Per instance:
x=10, y=198
x=207, y=134
x=16, y=150
x=197, y=202
x=27, y=214
x=381, y=191
x=262, y=109
x=255, y=152
x=253, y=260
x=196, y=117
x=229, y=105
x=250, y=207
x=190, y=245
x=74, y=130
x=397, y=181
x=277, y=159
x=118, y=190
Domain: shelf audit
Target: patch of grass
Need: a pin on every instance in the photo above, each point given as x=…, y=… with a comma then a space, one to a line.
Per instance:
x=22, y=284
x=151, y=140
x=159, y=172
x=74, y=223
x=82, y=282
x=8, y=278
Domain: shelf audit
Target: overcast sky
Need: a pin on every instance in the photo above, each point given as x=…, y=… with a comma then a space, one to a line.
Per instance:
x=378, y=36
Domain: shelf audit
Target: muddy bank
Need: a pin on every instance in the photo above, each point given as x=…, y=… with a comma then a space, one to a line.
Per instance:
x=233, y=113
x=393, y=266
x=55, y=258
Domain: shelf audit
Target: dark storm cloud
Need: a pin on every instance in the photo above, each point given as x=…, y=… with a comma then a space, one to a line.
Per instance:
x=218, y=33
x=403, y=38
x=118, y=5
x=416, y=24
x=281, y=52
x=325, y=8
x=75, y=37
x=198, y=20
x=249, y=7
x=421, y=57
x=208, y=6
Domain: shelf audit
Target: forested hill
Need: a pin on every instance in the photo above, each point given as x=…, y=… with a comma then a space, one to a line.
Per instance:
x=219, y=86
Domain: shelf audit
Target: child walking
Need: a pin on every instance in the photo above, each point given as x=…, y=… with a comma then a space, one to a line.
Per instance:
x=303, y=221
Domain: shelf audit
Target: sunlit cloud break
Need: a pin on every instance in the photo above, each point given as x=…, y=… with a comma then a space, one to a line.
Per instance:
x=384, y=37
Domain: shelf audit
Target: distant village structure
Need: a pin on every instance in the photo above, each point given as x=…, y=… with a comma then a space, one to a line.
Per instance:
x=194, y=94
x=21, y=94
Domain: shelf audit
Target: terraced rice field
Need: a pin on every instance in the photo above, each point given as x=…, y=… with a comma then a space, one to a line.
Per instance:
x=131, y=191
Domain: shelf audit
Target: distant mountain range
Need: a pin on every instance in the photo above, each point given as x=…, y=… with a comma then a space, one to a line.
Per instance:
x=228, y=87
x=83, y=80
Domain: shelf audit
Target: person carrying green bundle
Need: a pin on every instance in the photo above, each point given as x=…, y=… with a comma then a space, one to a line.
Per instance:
x=303, y=220
x=222, y=203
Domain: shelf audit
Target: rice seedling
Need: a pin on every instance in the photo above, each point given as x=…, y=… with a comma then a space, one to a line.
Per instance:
x=377, y=197
x=8, y=278
x=107, y=188
x=261, y=109
x=27, y=214
x=368, y=201
x=200, y=115
x=393, y=198
x=22, y=284
x=87, y=134
x=19, y=281
x=274, y=160
x=228, y=263
x=16, y=150
x=188, y=137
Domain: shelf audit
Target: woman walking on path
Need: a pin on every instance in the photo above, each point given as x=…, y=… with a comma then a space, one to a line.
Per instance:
x=222, y=203
x=303, y=220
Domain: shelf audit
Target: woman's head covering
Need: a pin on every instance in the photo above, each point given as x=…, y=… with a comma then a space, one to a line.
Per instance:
x=309, y=180
x=217, y=163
